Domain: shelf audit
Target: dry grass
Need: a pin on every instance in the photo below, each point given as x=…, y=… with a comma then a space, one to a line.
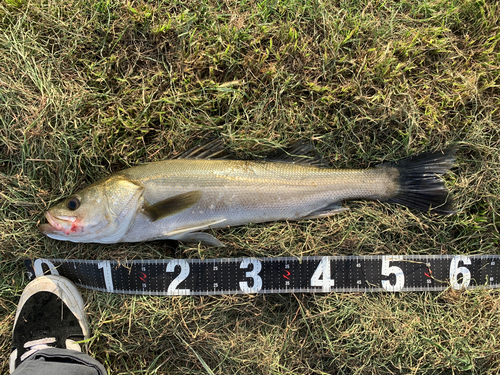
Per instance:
x=91, y=87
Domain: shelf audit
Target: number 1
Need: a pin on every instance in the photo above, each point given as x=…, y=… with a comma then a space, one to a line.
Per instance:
x=108, y=277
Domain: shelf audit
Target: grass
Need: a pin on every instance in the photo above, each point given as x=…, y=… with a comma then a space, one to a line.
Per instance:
x=91, y=87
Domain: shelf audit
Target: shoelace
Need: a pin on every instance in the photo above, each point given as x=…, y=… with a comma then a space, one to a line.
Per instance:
x=37, y=345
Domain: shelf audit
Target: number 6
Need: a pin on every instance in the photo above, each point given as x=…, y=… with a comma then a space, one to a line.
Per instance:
x=455, y=270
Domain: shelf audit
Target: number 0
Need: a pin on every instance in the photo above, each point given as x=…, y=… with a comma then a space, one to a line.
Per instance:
x=48, y=263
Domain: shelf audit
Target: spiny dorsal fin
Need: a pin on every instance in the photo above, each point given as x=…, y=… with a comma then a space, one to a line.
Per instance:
x=172, y=205
x=300, y=153
x=209, y=150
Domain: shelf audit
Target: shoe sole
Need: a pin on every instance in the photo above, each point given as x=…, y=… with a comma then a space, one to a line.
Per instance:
x=64, y=289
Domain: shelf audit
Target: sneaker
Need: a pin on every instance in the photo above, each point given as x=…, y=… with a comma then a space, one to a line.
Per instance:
x=50, y=314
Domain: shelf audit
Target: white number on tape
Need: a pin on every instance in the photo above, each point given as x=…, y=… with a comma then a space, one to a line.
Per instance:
x=388, y=270
x=48, y=263
x=324, y=269
x=172, y=288
x=455, y=270
x=108, y=277
x=254, y=274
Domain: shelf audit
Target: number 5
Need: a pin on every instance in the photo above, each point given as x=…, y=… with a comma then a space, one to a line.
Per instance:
x=387, y=270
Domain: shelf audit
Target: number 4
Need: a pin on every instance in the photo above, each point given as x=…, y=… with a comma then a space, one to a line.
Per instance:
x=323, y=270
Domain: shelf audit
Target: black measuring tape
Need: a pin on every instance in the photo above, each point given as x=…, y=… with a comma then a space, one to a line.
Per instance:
x=311, y=274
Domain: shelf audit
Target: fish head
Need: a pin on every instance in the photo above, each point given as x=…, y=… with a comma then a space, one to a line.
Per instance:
x=101, y=212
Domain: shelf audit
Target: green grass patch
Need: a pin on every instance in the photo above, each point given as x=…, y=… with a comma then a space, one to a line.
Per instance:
x=91, y=87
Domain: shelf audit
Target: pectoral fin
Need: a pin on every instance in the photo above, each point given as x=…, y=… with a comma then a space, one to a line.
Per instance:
x=172, y=205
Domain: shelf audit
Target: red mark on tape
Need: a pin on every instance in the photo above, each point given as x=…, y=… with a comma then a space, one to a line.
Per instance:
x=143, y=277
x=429, y=275
x=287, y=274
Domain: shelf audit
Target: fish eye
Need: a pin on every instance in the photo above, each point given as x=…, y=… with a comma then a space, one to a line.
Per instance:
x=73, y=203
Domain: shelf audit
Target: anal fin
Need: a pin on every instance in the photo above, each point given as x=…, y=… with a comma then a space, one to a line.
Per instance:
x=331, y=209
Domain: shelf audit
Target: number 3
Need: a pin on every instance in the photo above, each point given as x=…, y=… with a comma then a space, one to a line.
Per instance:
x=254, y=274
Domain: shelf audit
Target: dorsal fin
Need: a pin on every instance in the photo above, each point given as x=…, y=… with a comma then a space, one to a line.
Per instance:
x=212, y=149
x=300, y=153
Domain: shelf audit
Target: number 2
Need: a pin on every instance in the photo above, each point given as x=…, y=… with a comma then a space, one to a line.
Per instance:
x=172, y=288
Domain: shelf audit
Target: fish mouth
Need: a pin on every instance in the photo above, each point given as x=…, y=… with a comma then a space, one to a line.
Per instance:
x=56, y=223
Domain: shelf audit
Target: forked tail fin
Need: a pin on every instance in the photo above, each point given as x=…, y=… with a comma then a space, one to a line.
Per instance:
x=420, y=183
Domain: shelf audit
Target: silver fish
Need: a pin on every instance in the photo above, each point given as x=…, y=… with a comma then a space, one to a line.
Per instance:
x=176, y=199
